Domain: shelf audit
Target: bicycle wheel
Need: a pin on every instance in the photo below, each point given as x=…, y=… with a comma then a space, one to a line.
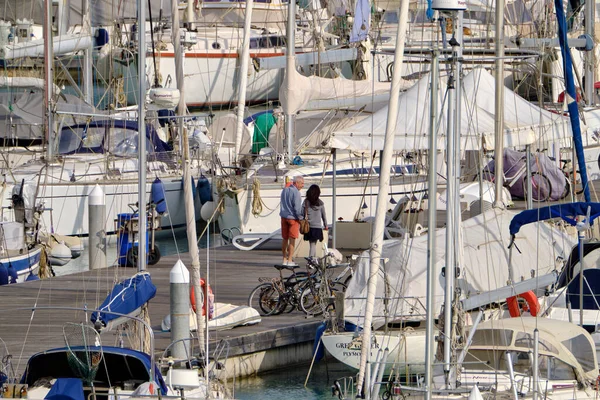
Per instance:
x=265, y=299
x=540, y=185
x=310, y=302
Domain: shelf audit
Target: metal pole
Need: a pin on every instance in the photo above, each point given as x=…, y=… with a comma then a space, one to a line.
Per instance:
x=451, y=193
x=290, y=66
x=97, y=228
x=590, y=77
x=431, y=227
x=499, y=108
x=141, y=6
x=536, y=357
x=529, y=195
x=334, y=200
x=48, y=77
x=244, y=57
x=580, y=237
x=179, y=279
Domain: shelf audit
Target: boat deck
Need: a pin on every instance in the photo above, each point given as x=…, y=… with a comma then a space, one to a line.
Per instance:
x=233, y=274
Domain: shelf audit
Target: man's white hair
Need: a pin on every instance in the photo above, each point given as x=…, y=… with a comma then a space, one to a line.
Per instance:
x=298, y=178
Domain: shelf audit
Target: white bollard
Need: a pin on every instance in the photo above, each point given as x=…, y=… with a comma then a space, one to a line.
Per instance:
x=97, y=228
x=180, y=310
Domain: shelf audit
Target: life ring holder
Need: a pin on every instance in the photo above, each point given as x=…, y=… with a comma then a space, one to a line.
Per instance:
x=532, y=304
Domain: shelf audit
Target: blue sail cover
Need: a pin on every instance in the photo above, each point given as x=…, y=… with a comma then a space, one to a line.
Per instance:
x=66, y=389
x=571, y=95
x=567, y=212
x=126, y=297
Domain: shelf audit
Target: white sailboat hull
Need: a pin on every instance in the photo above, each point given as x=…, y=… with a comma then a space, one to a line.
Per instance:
x=351, y=196
x=406, y=349
x=66, y=204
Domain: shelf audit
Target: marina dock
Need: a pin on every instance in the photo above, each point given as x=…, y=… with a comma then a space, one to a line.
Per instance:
x=276, y=341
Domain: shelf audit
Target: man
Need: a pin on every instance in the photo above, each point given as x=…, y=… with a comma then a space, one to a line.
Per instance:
x=291, y=214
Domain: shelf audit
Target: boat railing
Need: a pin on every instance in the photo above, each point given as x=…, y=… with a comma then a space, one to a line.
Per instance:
x=407, y=307
x=219, y=356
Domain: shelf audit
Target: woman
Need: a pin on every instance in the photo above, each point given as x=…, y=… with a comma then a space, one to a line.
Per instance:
x=314, y=212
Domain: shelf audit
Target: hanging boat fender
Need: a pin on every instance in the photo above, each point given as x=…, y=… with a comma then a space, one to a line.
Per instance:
x=207, y=210
x=204, y=189
x=3, y=275
x=532, y=304
x=211, y=299
x=157, y=196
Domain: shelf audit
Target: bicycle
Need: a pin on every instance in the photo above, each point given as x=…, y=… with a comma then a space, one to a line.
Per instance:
x=316, y=298
x=276, y=295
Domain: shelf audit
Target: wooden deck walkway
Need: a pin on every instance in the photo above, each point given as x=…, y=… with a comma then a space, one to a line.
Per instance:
x=233, y=274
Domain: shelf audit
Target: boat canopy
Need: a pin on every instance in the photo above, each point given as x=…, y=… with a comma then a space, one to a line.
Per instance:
x=117, y=137
x=524, y=122
x=127, y=297
x=568, y=212
x=567, y=343
x=484, y=241
x=117, y=366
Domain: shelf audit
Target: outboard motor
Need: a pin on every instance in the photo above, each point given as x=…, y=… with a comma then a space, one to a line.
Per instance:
x=23, y=197
x=18, y=203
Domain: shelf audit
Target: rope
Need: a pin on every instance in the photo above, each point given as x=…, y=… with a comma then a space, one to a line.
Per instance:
x=257, y=203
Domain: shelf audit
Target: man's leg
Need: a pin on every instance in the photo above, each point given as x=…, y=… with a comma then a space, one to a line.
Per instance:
x=285, y=234
x=291, y=247
x=284, y=248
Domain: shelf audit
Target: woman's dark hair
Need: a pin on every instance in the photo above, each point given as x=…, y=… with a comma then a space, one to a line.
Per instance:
x=312, y=195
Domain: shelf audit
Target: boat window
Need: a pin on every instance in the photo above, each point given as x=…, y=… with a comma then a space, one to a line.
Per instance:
x=550, y=367
x=124, y=142
x=267, y=42
x=93, y=138
x=390, y=17
x=582, y=350
x=553, y=368
x=526, y=340
x=70, y=140
x=80, y=140
x=492, y=337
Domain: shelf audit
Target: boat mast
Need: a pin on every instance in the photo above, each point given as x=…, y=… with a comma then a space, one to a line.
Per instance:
x=499, y=108
x=48, y=78
x=590, y=66
x=141, y=22
x=190, y=216
x=244, y=58
x=382, y=197
x=431, y=227
x=290, y=65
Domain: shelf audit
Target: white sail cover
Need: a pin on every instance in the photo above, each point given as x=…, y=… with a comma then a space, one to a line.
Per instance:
x=524, y=122
x=484, y=266
x=304, y=90
x=103, y=12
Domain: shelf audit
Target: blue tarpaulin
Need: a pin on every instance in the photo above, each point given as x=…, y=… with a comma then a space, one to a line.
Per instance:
x=66, y=389
x=567, y=212
x=126, y=297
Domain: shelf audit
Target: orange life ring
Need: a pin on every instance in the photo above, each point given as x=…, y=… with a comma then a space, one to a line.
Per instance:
x=210, y=299
x=532, y=305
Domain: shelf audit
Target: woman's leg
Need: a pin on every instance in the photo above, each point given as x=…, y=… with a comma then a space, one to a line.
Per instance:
x=312, y=250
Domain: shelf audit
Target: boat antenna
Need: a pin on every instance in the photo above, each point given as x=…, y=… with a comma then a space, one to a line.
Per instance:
x=156, y=82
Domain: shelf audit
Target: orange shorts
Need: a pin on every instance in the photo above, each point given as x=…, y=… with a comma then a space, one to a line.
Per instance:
x=290, y=228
